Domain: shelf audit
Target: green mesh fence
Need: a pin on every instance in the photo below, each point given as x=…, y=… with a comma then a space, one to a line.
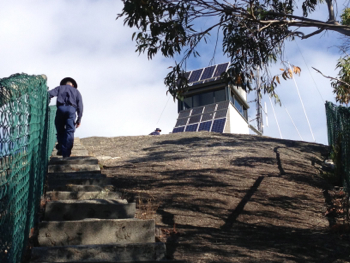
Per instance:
x=338, y=124
x=26, y=142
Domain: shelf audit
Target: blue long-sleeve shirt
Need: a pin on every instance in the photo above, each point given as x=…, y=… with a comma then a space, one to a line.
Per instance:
x=68, y=95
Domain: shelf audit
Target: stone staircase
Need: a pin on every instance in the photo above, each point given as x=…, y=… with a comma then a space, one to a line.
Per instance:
x=85, y=219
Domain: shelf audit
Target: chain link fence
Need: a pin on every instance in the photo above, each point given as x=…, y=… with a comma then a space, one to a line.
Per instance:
x=27, y=138
x=338, y=124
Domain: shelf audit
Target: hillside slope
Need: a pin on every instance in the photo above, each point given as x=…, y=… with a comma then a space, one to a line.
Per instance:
x=226, y=198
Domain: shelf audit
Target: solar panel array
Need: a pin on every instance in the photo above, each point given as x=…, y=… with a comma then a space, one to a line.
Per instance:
x=208, y=74
x=211, y=117
x=206, y=118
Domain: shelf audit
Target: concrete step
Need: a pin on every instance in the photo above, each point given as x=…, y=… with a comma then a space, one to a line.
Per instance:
x=77, y=142
x=61, y=195
x=53, y=183
x=90, y=174
x=79, y=147
x=133, y=261
x=100, y=253
x=73, y=154
x=79, y=152
x=157, y=261
x=82, y=209
x=71, y=168
x=74, y=160
x=59, y=180
x=77, y=175
x=80, y=188
x=95, y=231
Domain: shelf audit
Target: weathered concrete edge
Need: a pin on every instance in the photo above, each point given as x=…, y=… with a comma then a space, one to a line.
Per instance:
x=81, y=195
x=77, y=188
x=84, y=232
x=74, y=160
x=80, y=210
x=100, y=253
x=60, y=168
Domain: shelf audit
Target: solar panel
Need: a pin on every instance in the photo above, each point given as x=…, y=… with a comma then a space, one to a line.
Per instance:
x=221, y=68
x=191, y=128
x=208, y=72
x=223, y=105
x=207, y=116
x=184, y=113
x=221, y=114
x=194, y=119
x=205, y=126
x=181, y=122
x=209, y=108
x=218, y=125
x=196, y=111
x=195, y=75
x=179, y=129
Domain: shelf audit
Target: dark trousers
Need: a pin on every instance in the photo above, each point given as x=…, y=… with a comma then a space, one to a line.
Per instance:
x=65, y=126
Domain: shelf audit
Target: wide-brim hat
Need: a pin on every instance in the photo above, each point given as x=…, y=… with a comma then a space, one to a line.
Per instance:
x=65, y=80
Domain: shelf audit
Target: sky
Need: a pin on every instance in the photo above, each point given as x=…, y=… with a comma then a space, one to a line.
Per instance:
x=123, y=92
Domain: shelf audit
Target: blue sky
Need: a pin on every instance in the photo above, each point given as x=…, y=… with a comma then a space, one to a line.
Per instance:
x=123, y=92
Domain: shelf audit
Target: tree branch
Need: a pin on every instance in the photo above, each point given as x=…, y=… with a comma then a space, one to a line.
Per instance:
x=312, y=34
x=329, y=77
x=264, y=27
x=342, y=29
x=330, y=10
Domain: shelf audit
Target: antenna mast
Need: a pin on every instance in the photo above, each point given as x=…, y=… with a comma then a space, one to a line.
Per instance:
x=259, y=119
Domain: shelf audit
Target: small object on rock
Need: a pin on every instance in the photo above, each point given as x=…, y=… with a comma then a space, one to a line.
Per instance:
x=328, y=165
x=329, y=162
